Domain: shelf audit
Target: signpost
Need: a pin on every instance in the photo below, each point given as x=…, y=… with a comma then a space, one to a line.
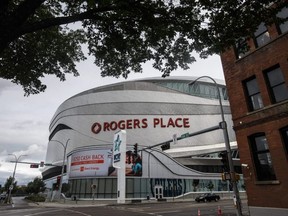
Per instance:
x=118, y=161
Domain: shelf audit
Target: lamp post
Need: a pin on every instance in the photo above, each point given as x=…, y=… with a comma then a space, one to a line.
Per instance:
x=223, y=126
x=63, y=164
x=13, y=177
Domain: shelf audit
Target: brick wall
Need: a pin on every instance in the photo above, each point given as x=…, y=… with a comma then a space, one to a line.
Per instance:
x=268, y=119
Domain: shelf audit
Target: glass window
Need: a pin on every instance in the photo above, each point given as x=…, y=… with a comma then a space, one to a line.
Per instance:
x=262, y=158
x=129, y=188
x=277, y=86
x=101, y=188
x=253, y=94
x=108, y=188
x=284, y=134
x=261, y=35
x=283, y=27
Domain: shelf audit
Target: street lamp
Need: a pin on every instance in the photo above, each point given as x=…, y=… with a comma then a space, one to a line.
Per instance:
x=223, y=126
x=63, y=164
x=11, y=186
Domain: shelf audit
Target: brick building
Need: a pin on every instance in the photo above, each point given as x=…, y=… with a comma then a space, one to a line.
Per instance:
x=257, y=80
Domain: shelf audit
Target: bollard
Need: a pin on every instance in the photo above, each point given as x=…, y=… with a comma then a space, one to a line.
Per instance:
x=219, y=212
x=75, y=198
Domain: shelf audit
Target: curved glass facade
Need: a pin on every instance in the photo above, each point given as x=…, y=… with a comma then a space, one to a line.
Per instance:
x=106, y=188
x=199, y=89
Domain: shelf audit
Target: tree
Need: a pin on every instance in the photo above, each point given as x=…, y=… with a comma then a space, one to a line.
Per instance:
x=35, y=39
x=36, y=186
x=195, y=184
x=8, y=184
x=210, y=186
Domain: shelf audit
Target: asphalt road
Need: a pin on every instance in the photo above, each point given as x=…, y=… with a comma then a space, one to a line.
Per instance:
x=21, y=208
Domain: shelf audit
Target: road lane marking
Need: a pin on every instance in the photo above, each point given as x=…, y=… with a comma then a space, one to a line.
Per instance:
x=78, y=212
x=39, y=213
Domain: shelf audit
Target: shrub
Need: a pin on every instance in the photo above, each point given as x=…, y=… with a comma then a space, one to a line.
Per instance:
x=36, y=198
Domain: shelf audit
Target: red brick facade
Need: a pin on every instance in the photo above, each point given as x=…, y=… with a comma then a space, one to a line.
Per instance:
x=269, y=119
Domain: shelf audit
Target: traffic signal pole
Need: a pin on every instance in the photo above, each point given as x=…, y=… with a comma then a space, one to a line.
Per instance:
x=13, y=177
x=223, y=126
x=63, y=165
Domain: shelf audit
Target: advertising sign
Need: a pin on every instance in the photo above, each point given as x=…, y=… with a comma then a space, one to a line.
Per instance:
x=91, y=163
x=85, y=164
x=119, y=149
x=119, y=156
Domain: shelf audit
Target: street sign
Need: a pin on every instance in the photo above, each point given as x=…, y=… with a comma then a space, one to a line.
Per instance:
x=184, y=135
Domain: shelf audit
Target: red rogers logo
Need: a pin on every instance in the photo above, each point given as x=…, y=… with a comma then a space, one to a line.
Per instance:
x=140, y=123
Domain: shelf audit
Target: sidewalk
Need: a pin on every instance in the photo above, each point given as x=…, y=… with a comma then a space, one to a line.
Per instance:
x=98, y=202
x=69, y=203
x=103, y=202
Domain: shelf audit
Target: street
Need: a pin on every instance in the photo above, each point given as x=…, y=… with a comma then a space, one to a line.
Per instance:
x=179, y=208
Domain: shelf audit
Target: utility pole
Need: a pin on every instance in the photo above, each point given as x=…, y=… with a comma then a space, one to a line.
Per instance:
x=63, y=164
x=13, y=177
x=223, y=126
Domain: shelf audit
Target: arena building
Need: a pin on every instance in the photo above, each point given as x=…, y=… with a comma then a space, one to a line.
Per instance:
x=153, y=112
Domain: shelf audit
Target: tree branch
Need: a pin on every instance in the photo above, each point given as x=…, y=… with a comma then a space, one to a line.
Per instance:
x=3, y=7
x=24, y=11
x=50, y=22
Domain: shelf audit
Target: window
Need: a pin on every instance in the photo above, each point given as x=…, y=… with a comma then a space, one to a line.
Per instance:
x=276, y=83
x=284, y=134
x=261, y=157
x=283, y=26
x=261, y=36
x=253, y=94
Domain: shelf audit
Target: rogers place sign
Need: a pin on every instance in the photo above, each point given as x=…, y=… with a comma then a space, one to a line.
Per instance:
x=140, y=124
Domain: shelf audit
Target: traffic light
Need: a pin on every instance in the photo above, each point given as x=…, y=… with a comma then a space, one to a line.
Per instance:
x=225, y=162
x=225, y=176
x=136, y=149
x=58, y=180
x=42, y=164
x=34, y=165
x=166, y=146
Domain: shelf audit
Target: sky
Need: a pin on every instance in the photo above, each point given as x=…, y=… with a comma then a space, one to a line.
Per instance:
x=24, y=121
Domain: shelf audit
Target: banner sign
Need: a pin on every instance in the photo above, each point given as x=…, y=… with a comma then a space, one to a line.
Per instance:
x=119, y=149
x=90, y=163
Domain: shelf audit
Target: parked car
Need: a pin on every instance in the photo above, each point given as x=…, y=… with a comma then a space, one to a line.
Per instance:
x=3, y=196
x=207, y=197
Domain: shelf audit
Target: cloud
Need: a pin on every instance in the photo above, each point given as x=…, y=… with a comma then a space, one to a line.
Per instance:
x=5, y=85
x=24, y=174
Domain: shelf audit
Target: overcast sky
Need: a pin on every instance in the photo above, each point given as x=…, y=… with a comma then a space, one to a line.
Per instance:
x=24, y=121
